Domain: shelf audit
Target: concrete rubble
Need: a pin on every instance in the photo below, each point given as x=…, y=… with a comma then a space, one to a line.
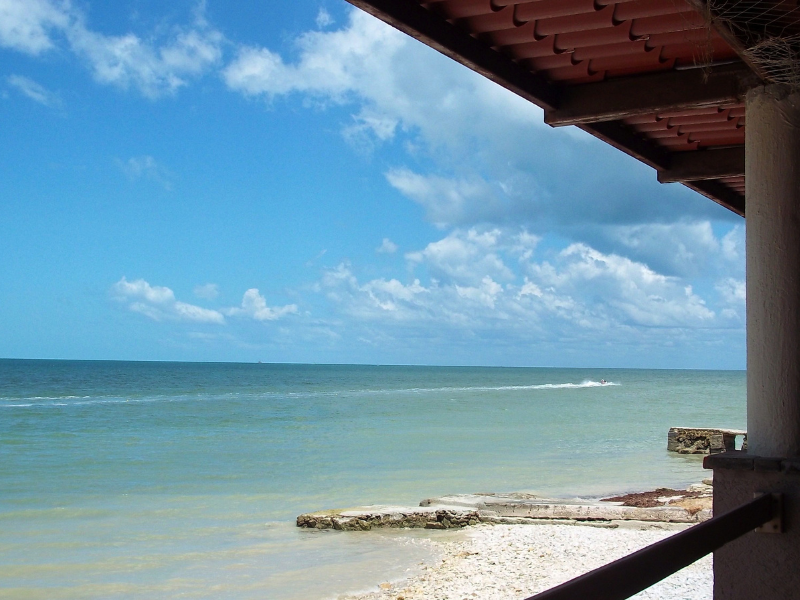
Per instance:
x=461, y=510
x=699, y=440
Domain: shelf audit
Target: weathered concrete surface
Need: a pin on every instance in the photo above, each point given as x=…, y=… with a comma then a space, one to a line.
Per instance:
x=470, y=509
x=702, y=440
x=772, y=187
x=757, y=565
x=532, y=507
x=368, y=517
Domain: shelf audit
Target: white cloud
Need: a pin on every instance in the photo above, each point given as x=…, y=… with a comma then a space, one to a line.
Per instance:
x=155, y=70
x=254, y=305
x=733, y=245
x=34, y=91
x=208, y=291
x=449, y=201
x=331, y=63
x=627, y=291
x=26, y=25
x=159, y=303
x=491, y=281
x=155, y=67
x=681, y=248
x=387, y=247
x=324, y=19
x=471, y=256
x=733, y=295
x=138, y=167
x=733, y=290
x=376, y=66
x=489, y=159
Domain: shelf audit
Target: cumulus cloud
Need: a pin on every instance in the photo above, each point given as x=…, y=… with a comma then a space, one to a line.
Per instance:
x=155, y=67
x=387, y=247
x=254, y=305
x=377, y=69
x=733, y=294
x=489, y=157
x=455, y=201
x=208, y=291
x=732, y=245
x=466, y=256
x=681, y=248
x=35, y=91
x=159, y=303
x=621, y=289
x=732, y=290
x=493, y=281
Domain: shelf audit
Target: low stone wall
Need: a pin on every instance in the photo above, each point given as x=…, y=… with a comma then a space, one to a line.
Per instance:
x=697, y=440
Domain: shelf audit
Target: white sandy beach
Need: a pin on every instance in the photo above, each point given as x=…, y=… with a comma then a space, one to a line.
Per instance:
x=507, y=562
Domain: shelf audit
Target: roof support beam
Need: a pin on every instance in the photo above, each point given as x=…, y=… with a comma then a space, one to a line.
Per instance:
x=647, y=94
x=701, y=165
x=417, y=21
x=626, y=139
x=719, y=193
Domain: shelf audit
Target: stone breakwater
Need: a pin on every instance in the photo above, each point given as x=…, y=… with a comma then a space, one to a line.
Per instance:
x=456, y=511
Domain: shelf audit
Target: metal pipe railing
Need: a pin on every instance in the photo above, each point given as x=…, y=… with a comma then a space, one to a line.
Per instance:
x=638, y=571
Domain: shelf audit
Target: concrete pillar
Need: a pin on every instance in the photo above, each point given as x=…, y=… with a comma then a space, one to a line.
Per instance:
x=767, y=565
x=772, y=169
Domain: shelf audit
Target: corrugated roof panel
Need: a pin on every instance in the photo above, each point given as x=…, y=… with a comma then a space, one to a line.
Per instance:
x=544, y=9
x=599, y=19
x=608, y=50
x=667, y=23
x=649, y=8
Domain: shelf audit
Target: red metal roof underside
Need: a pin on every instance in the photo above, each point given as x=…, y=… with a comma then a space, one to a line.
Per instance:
x=573, y=42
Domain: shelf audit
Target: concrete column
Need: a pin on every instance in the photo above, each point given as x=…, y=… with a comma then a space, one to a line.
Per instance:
x=772, y=159
x=767, y=565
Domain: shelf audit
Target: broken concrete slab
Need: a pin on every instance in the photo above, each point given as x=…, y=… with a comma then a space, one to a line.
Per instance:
x=461, y=510
x=703, y=440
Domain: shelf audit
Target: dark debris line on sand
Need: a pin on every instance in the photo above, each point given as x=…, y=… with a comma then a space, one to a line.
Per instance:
x=652, y=499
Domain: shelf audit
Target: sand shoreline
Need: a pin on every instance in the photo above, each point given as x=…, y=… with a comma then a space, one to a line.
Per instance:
x=507, y=562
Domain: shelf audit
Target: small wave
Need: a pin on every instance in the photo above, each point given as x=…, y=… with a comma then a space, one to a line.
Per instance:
x=56, y=397
x=504, y=388
x=50, y=402
x=584, y=384
x=58, y=401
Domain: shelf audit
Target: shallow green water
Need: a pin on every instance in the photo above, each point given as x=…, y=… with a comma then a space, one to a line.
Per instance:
x=132, y=480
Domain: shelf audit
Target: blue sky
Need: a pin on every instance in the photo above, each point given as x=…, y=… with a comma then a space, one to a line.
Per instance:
x=298, y=182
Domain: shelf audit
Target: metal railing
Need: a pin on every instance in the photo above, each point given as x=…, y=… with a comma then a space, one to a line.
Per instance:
x=638, y=571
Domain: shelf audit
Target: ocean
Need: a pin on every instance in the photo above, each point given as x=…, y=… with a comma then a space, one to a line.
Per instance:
x=163, y=480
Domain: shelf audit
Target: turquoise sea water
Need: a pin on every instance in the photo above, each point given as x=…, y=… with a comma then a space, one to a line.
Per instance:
x=159, y=480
